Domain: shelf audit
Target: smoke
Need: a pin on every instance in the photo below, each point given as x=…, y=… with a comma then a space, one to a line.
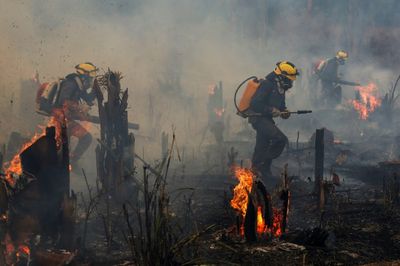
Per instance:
x=171, y=51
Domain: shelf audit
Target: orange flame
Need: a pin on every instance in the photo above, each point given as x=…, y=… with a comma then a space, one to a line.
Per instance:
x=260, y=221
x=242, y=190
x=276, y=229
x=368, y=100
x=14, y=167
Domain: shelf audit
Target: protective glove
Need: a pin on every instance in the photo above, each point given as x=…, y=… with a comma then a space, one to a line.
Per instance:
x=275, y=112
x=285, y=114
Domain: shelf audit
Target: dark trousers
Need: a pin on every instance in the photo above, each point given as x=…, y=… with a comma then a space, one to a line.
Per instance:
x=331, y=93
x=270, y=142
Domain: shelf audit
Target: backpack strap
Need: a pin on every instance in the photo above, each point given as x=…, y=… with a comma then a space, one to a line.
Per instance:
x=57, y=94
x=79, y=83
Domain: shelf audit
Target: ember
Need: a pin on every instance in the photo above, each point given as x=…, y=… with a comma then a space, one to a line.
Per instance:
x=366, y=100
x=277, y=222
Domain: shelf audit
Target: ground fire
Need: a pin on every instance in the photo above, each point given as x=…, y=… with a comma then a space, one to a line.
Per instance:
x=367, y=100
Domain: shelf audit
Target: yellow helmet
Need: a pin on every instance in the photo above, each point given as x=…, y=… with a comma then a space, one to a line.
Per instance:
x=342, y=54
x=86, y=69
x=287, y=69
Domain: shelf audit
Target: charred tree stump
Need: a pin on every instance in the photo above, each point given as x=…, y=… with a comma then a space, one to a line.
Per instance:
x=250, y=222
x=38, y=205
x=265, y=198
x=115, y=153
x=319, y=162
x=258, y=198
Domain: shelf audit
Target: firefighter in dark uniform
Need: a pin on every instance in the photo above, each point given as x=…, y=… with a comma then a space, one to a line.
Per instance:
x=269, y=101
x=328, y=72
x=73, y=95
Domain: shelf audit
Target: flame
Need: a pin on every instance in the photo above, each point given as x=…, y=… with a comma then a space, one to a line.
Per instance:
x=14, y=167
x=276, y=229
x=242, y=190
x=368, y=100
x=260, y=221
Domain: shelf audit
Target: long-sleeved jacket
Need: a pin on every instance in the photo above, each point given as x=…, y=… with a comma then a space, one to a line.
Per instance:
x=268, y=96
x=72, y=90
x=328, y=71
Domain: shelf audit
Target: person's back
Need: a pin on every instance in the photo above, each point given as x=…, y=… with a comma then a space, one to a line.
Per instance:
x=329, y=70
x=328, y=73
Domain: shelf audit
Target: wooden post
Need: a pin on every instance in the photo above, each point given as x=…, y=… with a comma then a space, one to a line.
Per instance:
x=319, y=160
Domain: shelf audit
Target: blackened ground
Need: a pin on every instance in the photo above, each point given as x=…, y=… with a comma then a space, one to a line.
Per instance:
x=362, y=228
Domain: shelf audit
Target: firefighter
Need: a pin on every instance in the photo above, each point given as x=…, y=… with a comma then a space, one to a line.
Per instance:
x=74, y=95
x=328, y=73
x=269, y=101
